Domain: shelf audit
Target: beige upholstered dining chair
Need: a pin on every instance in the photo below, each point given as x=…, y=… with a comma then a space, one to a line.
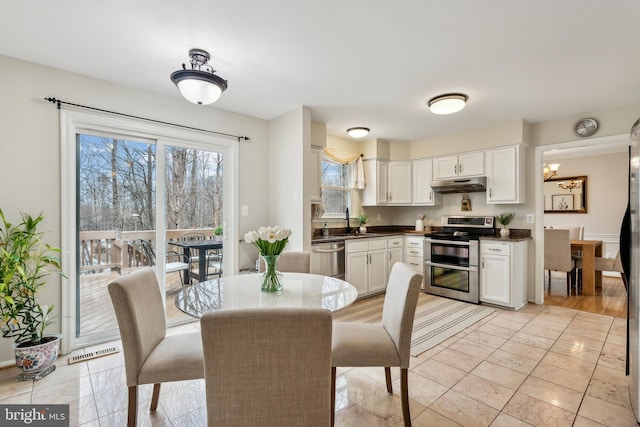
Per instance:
x=150, y=356
x=605, y=264
x=387, y=344
x=267, y=367
x=557, y=255
x=292, y=262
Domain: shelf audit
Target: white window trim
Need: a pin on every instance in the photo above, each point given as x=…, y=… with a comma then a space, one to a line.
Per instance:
x=73, y=122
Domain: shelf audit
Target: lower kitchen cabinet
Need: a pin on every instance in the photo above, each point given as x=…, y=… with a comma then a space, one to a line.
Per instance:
x=394, y=252
x=368, y=261
x=503, y=273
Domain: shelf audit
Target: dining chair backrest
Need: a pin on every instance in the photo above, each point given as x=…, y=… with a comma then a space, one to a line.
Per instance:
x=149, y=253
x=398, y=310
x=557, y=250
x=292, y=262
x=267, y=367
x=139, y=309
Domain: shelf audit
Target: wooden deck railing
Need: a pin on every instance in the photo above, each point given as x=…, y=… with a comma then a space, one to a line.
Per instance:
x=103, y=250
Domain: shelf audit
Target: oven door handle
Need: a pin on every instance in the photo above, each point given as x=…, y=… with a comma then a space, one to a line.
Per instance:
x=451, y=267
x=453, y=242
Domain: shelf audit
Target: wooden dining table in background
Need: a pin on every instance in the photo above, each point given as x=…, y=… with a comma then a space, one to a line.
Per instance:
x=590, y=249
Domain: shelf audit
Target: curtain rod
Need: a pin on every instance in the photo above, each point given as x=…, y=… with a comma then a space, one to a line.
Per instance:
x=58, y=103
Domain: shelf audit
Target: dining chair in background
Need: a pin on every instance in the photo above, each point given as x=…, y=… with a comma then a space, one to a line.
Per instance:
x=557, y=255
x=170, y=266
x=150, y=356
x=605, y=264
x=387, y=344
x=291, y=262
x=267, y=367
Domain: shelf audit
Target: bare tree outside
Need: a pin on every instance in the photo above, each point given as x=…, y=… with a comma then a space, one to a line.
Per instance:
x=117, y=186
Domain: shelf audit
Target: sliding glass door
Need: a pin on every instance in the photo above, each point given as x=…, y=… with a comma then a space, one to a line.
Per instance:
x=127, y=218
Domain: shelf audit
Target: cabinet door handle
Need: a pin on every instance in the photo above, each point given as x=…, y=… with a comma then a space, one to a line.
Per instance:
x=459, y=168
x=483, y=263
x=430, y=195
x=490, y=192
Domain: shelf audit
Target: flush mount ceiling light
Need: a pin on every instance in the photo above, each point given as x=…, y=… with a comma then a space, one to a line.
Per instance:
x=358, y=132
x=199, y=84
x=448, y=104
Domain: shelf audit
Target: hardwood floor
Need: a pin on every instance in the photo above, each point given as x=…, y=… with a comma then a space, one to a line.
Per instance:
x=610, y=299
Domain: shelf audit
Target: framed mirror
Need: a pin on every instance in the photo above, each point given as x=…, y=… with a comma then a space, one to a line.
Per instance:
x=565, y=195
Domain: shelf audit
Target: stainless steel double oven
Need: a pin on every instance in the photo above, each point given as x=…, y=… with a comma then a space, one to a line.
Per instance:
x=451, y=257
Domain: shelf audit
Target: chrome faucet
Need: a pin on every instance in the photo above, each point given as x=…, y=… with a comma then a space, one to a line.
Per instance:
x=347, y=218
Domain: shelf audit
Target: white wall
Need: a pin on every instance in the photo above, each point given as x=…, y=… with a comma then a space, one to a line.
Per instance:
x=290, y=141
x=30, y=148
x=606, y=193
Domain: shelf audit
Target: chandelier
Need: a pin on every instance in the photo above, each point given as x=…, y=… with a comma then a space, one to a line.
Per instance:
x=550, y=171
x=199, y=84
x=571, y=184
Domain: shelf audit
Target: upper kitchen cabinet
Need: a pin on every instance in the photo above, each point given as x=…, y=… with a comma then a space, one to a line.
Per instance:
x=387, y=182
x=506, y=174
x=399, y=182
x=375, y=176
x=423, y=194
x=460, y=165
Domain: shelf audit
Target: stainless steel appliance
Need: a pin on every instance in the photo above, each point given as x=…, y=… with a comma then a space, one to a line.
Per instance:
x=630, y=257
x=328, y=259
x=451, y=257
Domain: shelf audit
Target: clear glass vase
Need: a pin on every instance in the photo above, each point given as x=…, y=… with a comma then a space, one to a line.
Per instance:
x=271, y=277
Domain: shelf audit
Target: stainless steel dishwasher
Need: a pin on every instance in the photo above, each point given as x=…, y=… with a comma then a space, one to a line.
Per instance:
x=328, y=259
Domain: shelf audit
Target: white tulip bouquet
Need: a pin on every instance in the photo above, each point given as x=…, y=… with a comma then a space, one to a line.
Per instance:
x=269, y=240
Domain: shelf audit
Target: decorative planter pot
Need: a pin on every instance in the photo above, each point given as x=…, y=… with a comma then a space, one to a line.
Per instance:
x=505, y=232
x=38, y=358
x=363, y=229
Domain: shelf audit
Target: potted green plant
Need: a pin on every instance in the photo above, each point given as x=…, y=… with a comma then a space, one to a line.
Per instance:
x=218, y=232
x=363, y=219
x=505, y=219
x=25, y=263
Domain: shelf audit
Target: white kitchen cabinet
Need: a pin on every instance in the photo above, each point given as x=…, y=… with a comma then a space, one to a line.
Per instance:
x=503, y=273
x=399, y=182
x=422, y=175
x=366, y=264
x=375, y=176
x=387, y=182
x=316, y=174
x=460, y=165
x=505, y=168
x=395, y=252
x=414, y=253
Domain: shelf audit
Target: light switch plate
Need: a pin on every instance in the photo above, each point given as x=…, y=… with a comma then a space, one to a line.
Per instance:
x=529, y=218
x=244, y=210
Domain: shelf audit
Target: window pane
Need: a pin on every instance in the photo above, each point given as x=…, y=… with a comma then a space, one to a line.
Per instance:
x=336, y=194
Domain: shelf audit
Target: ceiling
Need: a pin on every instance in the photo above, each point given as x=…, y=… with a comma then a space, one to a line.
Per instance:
x=353, y=62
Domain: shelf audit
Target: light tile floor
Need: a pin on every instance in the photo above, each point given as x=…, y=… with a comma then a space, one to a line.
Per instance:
x=541, y=365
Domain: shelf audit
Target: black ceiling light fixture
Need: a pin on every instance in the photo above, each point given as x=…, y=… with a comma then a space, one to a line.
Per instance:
x=448, y=103
x=199, y=84
x=358, y=132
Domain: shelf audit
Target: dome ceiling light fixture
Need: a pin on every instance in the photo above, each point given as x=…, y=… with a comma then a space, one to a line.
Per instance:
x=358, y=132
x=448, y=103
x=199, y=84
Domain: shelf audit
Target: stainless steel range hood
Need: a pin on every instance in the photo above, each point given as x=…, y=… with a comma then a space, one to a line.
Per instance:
x=460, y=185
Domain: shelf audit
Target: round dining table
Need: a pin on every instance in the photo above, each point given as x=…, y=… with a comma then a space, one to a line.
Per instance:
x=243, y=291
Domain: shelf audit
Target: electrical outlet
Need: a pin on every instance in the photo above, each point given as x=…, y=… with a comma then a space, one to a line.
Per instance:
x=529, y=218
x=244, y=210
